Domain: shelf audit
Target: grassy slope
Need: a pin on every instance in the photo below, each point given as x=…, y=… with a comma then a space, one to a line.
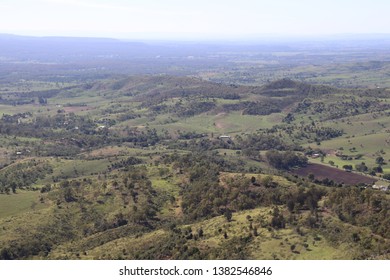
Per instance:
x=22, y=201
x=267, y=245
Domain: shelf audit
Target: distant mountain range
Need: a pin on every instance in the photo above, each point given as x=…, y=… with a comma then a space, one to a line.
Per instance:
x=55, y=49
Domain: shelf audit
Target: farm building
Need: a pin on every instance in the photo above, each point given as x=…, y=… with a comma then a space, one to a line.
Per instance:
x=380, y=187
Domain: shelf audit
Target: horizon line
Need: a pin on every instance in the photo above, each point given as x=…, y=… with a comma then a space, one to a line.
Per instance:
x=195, y=37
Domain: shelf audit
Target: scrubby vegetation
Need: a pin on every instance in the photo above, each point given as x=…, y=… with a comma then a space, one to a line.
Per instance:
x=229, y=162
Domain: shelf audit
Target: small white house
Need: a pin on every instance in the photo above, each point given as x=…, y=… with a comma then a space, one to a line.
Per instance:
x=380, y=187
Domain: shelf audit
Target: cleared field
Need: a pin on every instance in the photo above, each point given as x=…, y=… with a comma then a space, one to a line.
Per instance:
x=63, y=168
x=339, y=176
x=368, y=146
x=14, y=204
x=236, y=122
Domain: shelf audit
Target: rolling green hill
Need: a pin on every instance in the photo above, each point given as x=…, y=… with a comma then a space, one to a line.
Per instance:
x=165, y=167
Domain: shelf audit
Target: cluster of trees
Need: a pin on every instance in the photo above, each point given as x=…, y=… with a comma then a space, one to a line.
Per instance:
x=283, y=87
x=15, y=117
x=194, y=108
x=361, y=207
x=264, y=107
x=203, y=196
x=322, y=133
x=186, y=88
x=143, y=138
x=190, y=135
x=73, y=132
x=69, y=121
x=263, y=141
x=362, y=167
x=307, y=132
x=199, y=144
x=206, y=195
x=22, y=175
x=285, y=160
x=127, y=116
x=125, y=163
x=184, y=108
x=340, y=108
x=53, y=127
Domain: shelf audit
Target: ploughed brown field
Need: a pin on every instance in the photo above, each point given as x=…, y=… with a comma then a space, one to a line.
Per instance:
x=321, y=172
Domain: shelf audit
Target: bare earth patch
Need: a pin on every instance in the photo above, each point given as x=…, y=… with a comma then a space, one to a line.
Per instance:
x=75, y=109
x=321, y=172
x=219, y=122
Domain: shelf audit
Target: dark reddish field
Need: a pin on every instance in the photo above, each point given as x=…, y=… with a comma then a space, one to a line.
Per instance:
x=321, y=172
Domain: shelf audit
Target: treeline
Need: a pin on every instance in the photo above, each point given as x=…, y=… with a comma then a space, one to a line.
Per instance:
x=200, y=144
x=206, y=90
x=194, y=108
x=263, y=141
x=22, y=98
x=343, y=107
x=260, y=108
x=125, y=163
x=284, y=87
x=16, y=117
x=185, y=162
x=312, y=132
x=286, y=160
x=143, y=138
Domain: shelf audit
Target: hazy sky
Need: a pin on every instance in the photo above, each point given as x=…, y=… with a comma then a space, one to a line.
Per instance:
x=193, y=18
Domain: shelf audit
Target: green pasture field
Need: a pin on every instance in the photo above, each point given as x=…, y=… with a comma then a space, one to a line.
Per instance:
x=12, y=110
x=22, y=201
x=223, y=123
x=75, y=168
x=370, y=146
x=119, y=151
x=25, y=86
x=361, y=125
